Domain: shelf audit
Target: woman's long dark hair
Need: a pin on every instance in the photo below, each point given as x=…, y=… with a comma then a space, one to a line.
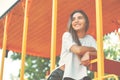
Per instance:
x=72, y=31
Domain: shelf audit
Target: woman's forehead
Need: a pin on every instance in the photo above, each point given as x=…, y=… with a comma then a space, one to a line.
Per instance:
x=77, y=14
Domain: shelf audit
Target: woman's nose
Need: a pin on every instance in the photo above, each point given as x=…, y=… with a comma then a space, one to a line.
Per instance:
x=76, y=20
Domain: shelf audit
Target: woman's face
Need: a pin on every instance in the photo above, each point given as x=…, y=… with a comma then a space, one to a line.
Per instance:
x=78, y=22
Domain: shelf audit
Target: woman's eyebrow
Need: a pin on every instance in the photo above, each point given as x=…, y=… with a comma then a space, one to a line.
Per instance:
x=80, y=16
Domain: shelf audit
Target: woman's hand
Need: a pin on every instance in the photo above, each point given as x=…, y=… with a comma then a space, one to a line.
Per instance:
x=85, y=63
x=85, y=59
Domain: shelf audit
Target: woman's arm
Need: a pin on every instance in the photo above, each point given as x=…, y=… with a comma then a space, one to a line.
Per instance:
x=81, y=50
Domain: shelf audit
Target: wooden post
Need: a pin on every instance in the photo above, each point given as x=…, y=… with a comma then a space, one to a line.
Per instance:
x=53, y=35
x=99, y=29
x=4, y=48
x=24, y=40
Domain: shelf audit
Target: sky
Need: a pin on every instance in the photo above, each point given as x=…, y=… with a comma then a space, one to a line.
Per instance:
x=6, y=5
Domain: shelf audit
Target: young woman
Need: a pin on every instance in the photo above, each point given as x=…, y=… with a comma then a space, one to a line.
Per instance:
x=76, y=45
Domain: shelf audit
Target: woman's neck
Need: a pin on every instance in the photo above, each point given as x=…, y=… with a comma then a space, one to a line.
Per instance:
x=81, y=34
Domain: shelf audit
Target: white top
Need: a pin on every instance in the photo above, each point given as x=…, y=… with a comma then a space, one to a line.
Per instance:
x=73, y=68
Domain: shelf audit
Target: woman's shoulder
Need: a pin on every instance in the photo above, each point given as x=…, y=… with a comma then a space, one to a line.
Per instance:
x=89, y=36
x=66, y=34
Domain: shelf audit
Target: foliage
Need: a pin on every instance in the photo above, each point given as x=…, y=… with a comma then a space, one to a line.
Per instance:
x=35, y=67
x=112, y=46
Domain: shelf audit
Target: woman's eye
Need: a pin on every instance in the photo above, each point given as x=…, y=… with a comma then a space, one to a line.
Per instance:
x=80, y=17
x=73, y=19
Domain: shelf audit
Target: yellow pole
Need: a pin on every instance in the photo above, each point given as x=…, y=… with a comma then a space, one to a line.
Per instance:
x=100, y=54
x=53, y=35
x=24, y=40
x=4, y=48
x=110, y=76
x=95, y=75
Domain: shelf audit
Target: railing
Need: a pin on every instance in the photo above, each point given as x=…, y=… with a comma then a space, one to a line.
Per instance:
x=108, y=76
